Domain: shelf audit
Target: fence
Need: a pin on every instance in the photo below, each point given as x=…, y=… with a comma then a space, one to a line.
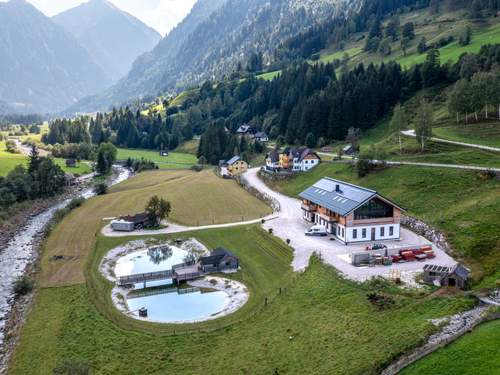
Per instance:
x=269, y=200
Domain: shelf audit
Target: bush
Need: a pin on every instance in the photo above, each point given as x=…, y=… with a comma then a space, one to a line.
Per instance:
x=101, y=189
x=196, y=168
x=364, y=167
x=75, y=203
x=72, y=368
x=23, y=285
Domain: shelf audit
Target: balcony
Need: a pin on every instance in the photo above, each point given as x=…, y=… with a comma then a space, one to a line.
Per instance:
x=309, y=207
x=330, y=219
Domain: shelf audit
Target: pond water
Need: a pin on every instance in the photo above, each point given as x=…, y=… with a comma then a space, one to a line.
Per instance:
x=180, y=305
x=164, y=302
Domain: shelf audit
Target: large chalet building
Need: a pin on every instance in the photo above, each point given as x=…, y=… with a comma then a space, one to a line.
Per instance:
x=351, y=213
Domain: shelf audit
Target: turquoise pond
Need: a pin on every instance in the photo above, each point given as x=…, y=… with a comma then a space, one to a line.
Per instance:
x=165, y=302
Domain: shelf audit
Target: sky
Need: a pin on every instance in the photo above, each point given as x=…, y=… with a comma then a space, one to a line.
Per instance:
x=162, y=15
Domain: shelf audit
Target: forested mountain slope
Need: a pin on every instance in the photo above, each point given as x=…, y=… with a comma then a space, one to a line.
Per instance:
x=111, y=36
x=214, y=40
x=42, y=67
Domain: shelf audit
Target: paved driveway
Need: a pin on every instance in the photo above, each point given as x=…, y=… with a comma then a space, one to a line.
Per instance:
x=290, y=225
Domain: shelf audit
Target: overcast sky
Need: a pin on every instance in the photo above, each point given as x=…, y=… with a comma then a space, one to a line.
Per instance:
x=162, y=15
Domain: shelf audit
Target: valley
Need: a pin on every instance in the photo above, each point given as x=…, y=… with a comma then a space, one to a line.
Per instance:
x=284, y=187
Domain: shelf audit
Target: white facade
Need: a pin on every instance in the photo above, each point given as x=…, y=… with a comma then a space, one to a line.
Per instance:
x=368, y=233
x=304, y=165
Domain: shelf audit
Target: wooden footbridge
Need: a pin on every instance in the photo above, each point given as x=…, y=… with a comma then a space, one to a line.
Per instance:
x=178, y=273
x=160, y=291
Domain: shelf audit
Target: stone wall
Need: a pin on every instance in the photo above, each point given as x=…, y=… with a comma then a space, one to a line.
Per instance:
x=275, y=176
x=273, y=203
x=426, y=231
x=458, y=325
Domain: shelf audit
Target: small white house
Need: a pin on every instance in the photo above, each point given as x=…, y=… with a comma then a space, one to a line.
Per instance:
x=304, y=159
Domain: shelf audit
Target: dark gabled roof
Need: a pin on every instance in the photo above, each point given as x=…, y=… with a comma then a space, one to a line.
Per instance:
x=260, y=135
x=216, y=256
x=274, y=156
x=461, y=271
x=137, y=218
x=233, y=160
x=222, y=163
x=342, y=200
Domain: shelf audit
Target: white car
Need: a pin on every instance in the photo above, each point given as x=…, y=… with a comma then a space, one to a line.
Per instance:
x=317, y=230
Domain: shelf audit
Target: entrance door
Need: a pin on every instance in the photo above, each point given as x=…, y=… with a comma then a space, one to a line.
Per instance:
x=373, y=234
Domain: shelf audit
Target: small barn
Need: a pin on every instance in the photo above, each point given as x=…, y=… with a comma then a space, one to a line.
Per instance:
x=131, y=222
x=71, y=163
x=457, y=276
x=219, y=260
x=163, y=153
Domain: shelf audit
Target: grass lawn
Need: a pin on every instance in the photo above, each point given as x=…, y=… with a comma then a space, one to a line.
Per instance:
x=175, y=160
x=9, y=161
x=196, y=198
x=475, y=353
x=321, y=324
x=457, y=202
x=269, y=76
x=487, y=134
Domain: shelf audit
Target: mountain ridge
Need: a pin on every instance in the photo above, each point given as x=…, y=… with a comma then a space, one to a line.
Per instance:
x=43, y=68
x=101, y=27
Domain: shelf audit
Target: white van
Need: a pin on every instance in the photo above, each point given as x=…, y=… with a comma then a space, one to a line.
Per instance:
x=317, y=230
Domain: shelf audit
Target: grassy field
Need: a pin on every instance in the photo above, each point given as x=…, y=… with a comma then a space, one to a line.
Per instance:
x=189, y=147
x=487, y=134
x=196, y=198
x=9, y=161
x=175, y=160
x=269, y=75
x=457, y=202
x=320, y=324
x=476, y=353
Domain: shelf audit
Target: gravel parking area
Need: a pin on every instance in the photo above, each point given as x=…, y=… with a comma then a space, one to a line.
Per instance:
x=290, y=225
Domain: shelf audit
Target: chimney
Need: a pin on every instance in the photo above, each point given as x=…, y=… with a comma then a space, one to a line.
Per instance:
x=337, y=188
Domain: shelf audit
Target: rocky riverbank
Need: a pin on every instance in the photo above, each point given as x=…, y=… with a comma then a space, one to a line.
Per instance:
x=19, y=255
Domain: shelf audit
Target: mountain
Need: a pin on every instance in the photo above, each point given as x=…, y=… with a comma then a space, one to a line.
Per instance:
x=212, y=41
x=111, y=36
x=42, y=68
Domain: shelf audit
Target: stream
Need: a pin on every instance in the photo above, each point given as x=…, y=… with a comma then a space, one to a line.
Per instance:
x=22, y=250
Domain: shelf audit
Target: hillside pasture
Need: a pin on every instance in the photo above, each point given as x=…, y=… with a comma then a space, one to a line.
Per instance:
x=475, y=353
x=487, y=134
x=196, y=198
x=318, y=306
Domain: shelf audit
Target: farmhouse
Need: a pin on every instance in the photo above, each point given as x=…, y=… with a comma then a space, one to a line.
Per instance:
x=351, y=213
x=457, y=276
x=245, y=129
x=219, y=260
x=233, y=167
x=291, y=159
x=261, y=137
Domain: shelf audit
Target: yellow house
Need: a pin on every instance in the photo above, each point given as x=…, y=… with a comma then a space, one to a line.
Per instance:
x=233, y=167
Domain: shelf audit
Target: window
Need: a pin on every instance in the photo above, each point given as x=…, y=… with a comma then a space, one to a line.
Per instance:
x=343, y=233
x=354, y=233
x=391, y=231
x=338, y=231
x=374, y=209
x=382, y=231
x=363, y=232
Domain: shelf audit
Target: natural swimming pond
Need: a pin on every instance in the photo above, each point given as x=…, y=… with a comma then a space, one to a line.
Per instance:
x=204, y=299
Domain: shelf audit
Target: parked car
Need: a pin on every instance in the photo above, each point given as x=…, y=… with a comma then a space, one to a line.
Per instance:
x=317, y=230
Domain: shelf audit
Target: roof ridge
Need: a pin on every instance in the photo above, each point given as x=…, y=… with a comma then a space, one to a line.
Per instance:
x=353, y=185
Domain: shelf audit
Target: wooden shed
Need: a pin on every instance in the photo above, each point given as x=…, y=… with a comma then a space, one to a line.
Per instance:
x=219, y=260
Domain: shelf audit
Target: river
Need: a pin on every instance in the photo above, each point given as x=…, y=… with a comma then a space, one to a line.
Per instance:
x=22, y=250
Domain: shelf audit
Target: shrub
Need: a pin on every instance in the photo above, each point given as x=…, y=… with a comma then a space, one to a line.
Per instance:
x=75, y=203
x=364, y=167
x=71, y=367
x=23, y=285
x=197, y=168
x=101, y=188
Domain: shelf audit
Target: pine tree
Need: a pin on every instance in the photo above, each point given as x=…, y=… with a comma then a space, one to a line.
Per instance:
x=33, y=160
